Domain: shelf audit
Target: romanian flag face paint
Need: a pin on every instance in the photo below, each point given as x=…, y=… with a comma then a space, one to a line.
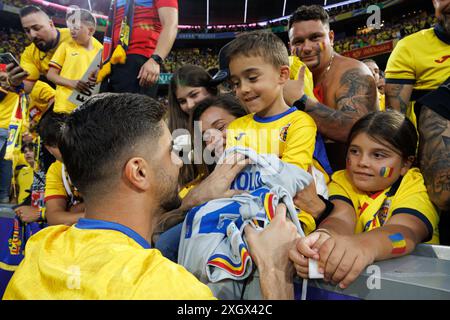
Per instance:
x=398, y=243
x=321, y=46
x=386, y=172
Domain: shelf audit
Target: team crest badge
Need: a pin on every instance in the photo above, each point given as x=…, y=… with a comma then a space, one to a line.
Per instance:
x=283, y=132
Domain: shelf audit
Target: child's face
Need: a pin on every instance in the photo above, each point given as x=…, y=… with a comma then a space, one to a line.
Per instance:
x=215, y=121
x=29, y=155
x=258, y=84
x=80, y=32
x=372, y=166
x=189, y=97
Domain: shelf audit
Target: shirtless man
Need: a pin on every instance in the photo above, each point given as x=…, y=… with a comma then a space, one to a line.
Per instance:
x=344, y=88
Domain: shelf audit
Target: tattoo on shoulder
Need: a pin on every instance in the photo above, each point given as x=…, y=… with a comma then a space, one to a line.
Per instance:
x=434, y=152
x=357, y=92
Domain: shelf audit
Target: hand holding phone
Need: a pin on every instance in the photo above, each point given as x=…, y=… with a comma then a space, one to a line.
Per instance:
x=8, y=58
x=16, y=74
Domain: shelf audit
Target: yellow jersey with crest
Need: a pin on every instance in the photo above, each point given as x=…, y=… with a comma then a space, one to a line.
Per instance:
x=35, y=61
x=422, y=60
x=408, y=195
x=73, y=61
x=99, y=260
x=290, y=135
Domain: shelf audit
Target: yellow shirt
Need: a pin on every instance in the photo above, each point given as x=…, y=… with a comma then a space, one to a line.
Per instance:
x=97, y=259
x=6, y=107
x=407, y=196
x=35, y=62
x=73, y=61
x=290, y=135
x=382, y=101
x=422, y=60
x=24, y=181
x=54, y=185
x=40, y=96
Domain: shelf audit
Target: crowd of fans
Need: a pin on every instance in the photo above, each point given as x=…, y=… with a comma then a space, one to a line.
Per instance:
x=397, y=29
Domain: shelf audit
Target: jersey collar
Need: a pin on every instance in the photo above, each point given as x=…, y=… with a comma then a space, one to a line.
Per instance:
x=441, y=34
x=275, y=117
x=84, y=223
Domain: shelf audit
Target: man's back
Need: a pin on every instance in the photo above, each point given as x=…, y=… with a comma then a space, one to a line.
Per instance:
x=96, y=259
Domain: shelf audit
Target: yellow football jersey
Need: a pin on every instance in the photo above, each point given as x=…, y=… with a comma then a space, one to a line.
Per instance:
x=54, y=185
x=382, y=101
x=422, y=60
x=40, y=96
x=35, y=62
x=7, y=106
x=24, y=182
x=73, y=61
x=407, y=196
x=290, y=135
x=97, y=259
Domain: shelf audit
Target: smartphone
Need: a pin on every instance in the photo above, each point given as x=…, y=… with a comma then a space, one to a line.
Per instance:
x=7, y=58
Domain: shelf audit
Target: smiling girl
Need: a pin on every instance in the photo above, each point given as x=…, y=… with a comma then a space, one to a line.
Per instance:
x=381, y=206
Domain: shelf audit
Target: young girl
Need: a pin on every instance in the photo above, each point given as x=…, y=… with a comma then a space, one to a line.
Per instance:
x=189, y=85
x=214, y=113
x=381, y=206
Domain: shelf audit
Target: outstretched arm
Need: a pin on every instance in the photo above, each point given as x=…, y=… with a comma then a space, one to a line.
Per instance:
x=356, y=96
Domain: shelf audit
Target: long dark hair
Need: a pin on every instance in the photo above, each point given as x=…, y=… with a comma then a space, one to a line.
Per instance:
x=190, y=76
x=391, y=129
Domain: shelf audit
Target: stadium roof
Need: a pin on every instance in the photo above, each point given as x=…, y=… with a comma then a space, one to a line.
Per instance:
x=216, y=12
x=194, y=12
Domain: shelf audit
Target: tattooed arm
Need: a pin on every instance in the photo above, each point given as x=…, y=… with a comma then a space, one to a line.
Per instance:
x=397, y=96
x=434, y=153
x=355, y=96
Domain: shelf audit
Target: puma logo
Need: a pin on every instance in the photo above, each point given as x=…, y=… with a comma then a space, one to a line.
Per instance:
x=443, y=59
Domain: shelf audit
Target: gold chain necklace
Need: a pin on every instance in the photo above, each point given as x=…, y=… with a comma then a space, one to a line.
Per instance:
x=328, y=68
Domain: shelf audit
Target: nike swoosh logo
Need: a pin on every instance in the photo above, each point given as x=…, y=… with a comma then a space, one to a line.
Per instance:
x=74, y=53
x=442, y=60
x=240, y=136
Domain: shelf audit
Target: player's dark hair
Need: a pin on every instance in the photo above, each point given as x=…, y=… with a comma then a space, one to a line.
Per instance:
x=49, y=128
x=103, y=133
x=391, y=129
x=28, y=145
x=186, y=76
x=306, y=13
x=259, y=43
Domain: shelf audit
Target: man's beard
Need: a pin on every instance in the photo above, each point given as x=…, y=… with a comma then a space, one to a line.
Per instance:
x=44, y=47
x=171, y=203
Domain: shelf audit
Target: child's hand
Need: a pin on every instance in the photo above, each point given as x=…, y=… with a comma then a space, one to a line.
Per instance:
x=294, y=89
x=27, y=213
x=93, y=76
x=343, y=258
x=307, y=199
x=81, y=86
x=307, y=248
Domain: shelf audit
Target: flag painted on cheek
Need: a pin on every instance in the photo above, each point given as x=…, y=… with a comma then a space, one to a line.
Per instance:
x=398, y=243
x=386, y=172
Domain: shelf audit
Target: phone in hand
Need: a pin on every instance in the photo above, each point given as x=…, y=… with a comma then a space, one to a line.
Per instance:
x=7, y=58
